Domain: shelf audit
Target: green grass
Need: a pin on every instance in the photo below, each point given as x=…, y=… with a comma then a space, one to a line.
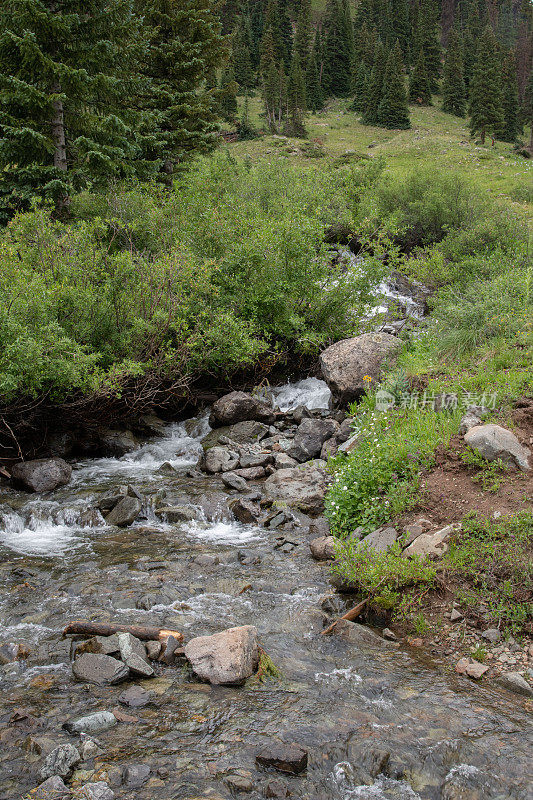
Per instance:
x=435, y=138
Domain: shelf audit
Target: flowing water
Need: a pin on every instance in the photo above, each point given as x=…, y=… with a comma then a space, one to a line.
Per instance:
x=349, y=703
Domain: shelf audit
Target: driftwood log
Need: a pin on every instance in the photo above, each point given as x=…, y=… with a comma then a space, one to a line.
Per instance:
x=144, y=632
x=353, y=613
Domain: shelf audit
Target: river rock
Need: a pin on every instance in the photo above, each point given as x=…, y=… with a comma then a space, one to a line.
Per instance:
x=302, y=487
x=289, y=758
x=246, y=432
x=329, y=449
x=251, y=473
x=516, y=683
x=284, y=461
x=133, y=654
x=474, y=669
x=380, y=540
x=220, y=459
x=125, y=512
x=228, y=657
x=345, y=364
x=42, y=474
x=99, y=669
x=135, y=775
x=175, y=514
x=238, y=407
x=431, y=545
x=117, y=443
x=358, y=634
x=60, y=761
x=95, y=791
x=233, y=481
x=135, y=696
x=51, y=789
x=106, y=645
x=256, y=459
x=493, y=442
x=310, y=436
x=245, y=510
x=92, y=723
x=323, y=548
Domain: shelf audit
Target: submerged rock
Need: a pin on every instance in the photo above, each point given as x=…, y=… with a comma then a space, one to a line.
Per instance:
x=290, y=758
x=92, y=723
x=493, y=442
x=60, y=761
x=42, y=474
x=245, y=510
x=346, y=364
x=239, y=407
x=516, y=683
x=228, y=657
x=99, y=669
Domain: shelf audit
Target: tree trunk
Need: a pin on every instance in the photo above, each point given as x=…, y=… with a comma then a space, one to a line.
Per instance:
x=60, y=152
x=168, y=171
x=482, y=136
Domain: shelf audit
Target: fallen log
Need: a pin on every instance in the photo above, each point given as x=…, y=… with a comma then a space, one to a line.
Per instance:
x=352, y=614
x=144, y=632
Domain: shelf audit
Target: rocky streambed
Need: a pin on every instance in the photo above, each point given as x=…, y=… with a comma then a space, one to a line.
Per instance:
x=200, y=530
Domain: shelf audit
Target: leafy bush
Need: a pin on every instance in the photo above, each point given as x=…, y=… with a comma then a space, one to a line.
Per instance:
x=379, y=479
x=493, y=562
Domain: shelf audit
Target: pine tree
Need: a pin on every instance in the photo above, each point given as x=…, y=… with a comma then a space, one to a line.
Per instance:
x=393, y=111
x=303, y=37
x=338, y=49
x=486, y=109
x=241, y=54
x=183, y=50
x=453, y=84
x=361, y=88
x=511, y=122
x=375, y=87
x=275, y=95
x=313, y=89
x=419, y=87
x=269, y=54
x=527, y=109
x=400, y=26
x=227, y=93
x=286, y=31
x=296, y=100
x=426, y=38
x=61, y=122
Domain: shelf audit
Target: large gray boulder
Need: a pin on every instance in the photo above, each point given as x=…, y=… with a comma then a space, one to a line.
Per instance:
x=310, y=436
x=302, y=487
x=246, y=432
x=125, y=512
x=380, y=540
x=347, y=363
x=323, y=548
x=238, y=407
x=99, y=669
x=228, y=657
x=117, y=443
x=42, y=474
x=493, y=442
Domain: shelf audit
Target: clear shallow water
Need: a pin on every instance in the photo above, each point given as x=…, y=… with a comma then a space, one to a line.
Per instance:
x=340, y=700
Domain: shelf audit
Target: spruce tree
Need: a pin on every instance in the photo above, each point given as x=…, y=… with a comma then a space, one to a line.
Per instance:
x=375, y=87
x=241, y=54
x=227, y=93
x=393, y=111
x=361, y=88
x=527, y=109
x=184, y=47
x=296, y=99
x=419, y=86
x=303, y=37
x=486, y=108
x=61, y=84
x=453, y=84
x=269, y=52
x=512, y=127
x=400, y=28
x=338, y=49
x=313, y=89
x=426, y=38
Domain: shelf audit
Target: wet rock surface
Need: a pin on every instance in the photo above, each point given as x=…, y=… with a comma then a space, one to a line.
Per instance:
x=42, y=474
x=174, y=736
